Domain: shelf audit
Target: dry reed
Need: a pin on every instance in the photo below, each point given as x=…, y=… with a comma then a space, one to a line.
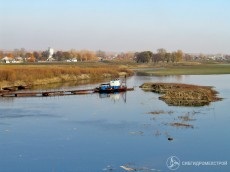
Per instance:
x=31, y=74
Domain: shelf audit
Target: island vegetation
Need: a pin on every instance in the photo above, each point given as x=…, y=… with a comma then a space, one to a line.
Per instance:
x=183, y=94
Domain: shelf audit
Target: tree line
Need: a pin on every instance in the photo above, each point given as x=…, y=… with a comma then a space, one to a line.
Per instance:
x=82, y=55
x=161, y=55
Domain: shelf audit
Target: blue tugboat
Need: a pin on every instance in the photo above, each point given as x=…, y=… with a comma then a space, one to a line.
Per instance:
x=112, y=87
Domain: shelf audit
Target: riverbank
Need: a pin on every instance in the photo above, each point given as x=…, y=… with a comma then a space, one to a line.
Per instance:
x=42, y=74
x=185, y=69
x=48, y=73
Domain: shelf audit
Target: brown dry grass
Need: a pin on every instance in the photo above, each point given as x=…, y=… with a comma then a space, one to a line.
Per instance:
x=183, y=94
x=178, y=124
x=35, y=74
x=160, y=112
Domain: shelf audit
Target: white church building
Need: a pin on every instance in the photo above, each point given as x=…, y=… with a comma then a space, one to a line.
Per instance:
x=51, y=52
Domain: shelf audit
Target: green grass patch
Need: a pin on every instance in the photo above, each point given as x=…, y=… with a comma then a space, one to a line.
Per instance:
x=201, y=69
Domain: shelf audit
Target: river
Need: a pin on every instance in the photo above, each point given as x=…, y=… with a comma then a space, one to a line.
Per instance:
x=84, y=133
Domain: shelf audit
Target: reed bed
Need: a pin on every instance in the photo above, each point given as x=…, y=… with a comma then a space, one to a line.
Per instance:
x=183, y=94
x=43, y=74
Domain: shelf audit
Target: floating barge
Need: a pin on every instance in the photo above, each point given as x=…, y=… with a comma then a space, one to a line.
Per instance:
x=114, y=86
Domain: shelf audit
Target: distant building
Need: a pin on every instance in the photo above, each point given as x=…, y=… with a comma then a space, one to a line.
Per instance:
x=18, y=60
x=7, y=59
x=50, y=52
x=74, y=59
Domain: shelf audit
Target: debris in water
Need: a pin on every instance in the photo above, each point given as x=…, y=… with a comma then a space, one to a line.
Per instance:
x=127, y=168
x=160, y=112
x=108, y=168
x=186, y=118
x=178, y=124
x=136, y=132
x=144, y=169
x=157, y=133
x=170, y=138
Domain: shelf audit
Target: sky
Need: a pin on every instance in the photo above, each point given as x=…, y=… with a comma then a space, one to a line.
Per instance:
x=193, y=26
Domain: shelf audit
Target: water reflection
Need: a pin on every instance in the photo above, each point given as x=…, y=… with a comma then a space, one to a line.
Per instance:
x=16, y=115
x=106, y=125
x=7, y=113
x=115, y=97
x=6, y=99
x=1, y=123
x=172, y=78
x=168, y=78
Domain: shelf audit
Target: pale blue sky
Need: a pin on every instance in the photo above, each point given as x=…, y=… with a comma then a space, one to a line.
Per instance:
x=194, y=26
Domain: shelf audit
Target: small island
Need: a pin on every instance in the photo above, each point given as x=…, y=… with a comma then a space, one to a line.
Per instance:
x=183, y=94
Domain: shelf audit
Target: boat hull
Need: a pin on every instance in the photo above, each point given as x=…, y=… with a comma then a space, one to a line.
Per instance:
x=111, y=90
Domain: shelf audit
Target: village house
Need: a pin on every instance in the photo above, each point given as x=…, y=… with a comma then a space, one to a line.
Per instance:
x=6, y=60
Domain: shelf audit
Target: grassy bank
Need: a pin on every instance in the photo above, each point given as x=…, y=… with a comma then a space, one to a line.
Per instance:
x=186, y=69
x=25, y=74
x=46, y=73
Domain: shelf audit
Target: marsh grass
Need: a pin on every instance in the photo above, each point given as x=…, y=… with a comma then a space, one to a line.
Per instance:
x=43, y=74
x=183, y=94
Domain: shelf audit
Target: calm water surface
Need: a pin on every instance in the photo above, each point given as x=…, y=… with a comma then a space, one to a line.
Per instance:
x=84, y=133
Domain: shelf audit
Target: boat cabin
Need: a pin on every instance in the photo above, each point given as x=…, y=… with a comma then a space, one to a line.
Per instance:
x=115, y=84
x=104, y=86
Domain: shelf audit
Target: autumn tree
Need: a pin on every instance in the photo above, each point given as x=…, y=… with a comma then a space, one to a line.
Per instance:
x=101, y=54
x=66, y=55
x=168, y=57
x=164, y=56
x=45, y=54
x=22, y=52
x=80, y=56
x=30, y=57
x=1, y=54
x=37, y=55
x=73, y=53
x=173, y=57
x=58, y=55
x=10, y=55
x=187, y=57
x=156, y=58
x=16, y=53
x=179, y=55
x=85, y=55
x=161, y=52
x=144, y=57
x=126, y=56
